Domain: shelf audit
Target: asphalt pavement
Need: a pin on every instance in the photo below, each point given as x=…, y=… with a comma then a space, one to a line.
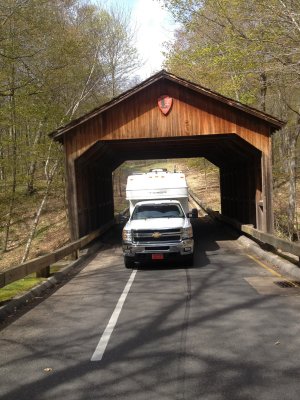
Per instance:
x=222, y=329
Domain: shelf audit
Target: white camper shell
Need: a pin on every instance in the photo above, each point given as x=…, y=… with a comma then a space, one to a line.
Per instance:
x=158, y=184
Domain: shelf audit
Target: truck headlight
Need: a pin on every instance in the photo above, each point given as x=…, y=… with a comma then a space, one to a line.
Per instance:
x=187, y=233
x=126, y=235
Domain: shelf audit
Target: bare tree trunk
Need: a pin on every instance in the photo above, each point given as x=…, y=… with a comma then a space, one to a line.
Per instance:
x=13, y=138
x=49, y=176
x=14, y=175
x=292, y=196
x=263, y=91
x=2, y=171
x=205, y=176
x=120, y=182
x=35, y=222
x=292, y=203
x=290, y=137
x=33, y=164
x=11, y=207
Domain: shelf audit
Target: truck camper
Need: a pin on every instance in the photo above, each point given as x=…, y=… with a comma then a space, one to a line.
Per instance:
x=159, y=227
x=157, y=184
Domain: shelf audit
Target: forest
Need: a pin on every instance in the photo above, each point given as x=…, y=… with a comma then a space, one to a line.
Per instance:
x=59, y=59
x=62, y=58
x=248, y=50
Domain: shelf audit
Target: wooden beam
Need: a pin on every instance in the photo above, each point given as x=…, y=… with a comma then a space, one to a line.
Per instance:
x=267, y=192
x=72, y=198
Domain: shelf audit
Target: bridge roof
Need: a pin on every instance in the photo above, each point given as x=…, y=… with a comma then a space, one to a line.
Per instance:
x=274, y=123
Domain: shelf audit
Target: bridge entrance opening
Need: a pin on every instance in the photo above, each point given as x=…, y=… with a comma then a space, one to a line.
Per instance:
x=202, y=177
x=238, y=164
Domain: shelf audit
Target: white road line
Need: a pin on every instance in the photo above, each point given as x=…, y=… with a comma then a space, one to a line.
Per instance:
x=100, y=349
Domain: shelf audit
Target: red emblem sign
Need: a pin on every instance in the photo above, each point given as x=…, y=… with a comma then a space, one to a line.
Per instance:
x=165, y=103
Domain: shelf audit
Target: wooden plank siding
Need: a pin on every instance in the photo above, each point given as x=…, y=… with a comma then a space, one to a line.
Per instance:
x=201, y=123
x=140, y=118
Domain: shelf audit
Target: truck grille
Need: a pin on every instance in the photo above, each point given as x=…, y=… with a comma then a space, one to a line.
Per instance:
x=153, y=236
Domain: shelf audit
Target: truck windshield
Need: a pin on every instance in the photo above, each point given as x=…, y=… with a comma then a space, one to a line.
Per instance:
x=157, y=211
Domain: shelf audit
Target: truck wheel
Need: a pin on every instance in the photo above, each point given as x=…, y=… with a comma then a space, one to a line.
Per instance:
x=189, y=260
x=129, y=262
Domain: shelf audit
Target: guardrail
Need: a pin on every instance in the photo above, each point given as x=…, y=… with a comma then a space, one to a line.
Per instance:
x=41, y=265
x=266, y=238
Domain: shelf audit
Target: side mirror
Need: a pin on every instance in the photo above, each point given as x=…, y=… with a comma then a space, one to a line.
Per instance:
x=193, y=213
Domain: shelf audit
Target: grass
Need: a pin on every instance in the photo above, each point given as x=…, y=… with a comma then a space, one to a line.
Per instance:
x=21, y=286
x=24, y=285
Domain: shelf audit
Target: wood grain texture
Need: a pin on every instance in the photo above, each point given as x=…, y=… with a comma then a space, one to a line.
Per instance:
x=191, y=115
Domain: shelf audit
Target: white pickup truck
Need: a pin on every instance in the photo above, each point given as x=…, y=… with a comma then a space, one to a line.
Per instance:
x=158, y=230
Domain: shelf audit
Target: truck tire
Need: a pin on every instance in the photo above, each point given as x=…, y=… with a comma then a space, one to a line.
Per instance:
x=188, y=260
x=129, y=262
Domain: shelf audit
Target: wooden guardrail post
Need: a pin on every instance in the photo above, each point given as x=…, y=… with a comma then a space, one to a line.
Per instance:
x=75, y=255
x=44, y=272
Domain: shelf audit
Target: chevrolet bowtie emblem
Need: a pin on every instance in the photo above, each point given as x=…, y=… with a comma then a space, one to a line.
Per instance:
x=156, y=235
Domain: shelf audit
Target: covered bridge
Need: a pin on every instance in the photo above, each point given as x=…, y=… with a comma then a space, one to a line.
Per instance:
x=196, y=123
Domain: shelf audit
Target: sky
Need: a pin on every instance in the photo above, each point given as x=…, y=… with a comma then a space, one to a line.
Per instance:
x=154, y=26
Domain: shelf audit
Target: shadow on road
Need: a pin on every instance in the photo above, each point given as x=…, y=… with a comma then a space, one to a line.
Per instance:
x=212, y=340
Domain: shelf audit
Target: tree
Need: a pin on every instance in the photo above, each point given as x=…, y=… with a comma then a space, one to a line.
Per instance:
x=59, y=59
x=118, y=56
x=248, y=50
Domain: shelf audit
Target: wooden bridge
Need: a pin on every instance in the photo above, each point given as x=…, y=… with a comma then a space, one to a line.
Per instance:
x=200, y=123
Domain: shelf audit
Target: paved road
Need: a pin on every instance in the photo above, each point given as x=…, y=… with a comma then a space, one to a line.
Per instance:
x=183, y=333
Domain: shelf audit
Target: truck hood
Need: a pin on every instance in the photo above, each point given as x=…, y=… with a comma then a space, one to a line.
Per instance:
x=158, y=223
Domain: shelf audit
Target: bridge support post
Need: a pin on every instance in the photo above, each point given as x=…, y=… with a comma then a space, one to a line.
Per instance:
x=267, y=194
x=72, y=198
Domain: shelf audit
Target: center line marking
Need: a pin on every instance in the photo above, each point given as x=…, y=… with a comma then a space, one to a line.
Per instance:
x=100, y=349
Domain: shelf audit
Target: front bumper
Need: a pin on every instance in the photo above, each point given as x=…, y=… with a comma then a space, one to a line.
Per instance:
x=183, y=247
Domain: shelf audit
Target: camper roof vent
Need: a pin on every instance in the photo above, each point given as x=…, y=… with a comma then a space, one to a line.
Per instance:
x=158, y=170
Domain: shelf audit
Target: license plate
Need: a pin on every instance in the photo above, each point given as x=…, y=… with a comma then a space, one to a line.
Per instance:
x=157, y=256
